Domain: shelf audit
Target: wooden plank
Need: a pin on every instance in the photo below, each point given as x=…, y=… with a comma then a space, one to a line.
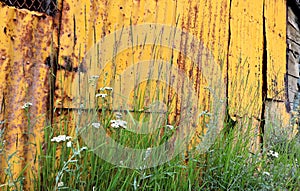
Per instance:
x=292, y=19
x=248, y=129
x=245, y=59
x=293, y=64
x=292, y=88
x=275, y=29
x=277, y=123
x=292, y=33
x=293, y=51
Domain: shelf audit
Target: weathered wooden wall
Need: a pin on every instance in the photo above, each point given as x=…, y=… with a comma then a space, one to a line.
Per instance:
x=249, y=36
x=293, y=50
x=293, y=61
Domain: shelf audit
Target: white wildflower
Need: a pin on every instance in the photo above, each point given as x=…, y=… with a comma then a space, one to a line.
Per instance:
x=80, y=150
x=101, y=95
x=26, y=105
x=95, y=77
x=60, y=138
x=121, y=163
x=204, y=113
x=273, y=154
x=171, y=127
x=2, y=122
x=69, y=144
x=266, y=173
x=118, y=123
x=142, y=167
x=96, y=125
x=60, y=184
x=118, y=115
x=147, y=153
x=93, y=80
x=106, y=88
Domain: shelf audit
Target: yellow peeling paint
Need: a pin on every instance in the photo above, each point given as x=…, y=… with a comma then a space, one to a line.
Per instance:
x=245, y=59
x=276, y=48
x=92, y=22
x=231, y=30
x=24, y=46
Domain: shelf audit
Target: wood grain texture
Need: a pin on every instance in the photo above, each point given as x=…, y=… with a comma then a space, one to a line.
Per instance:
x=245, y=59
x=275, y=32
x=293, y=55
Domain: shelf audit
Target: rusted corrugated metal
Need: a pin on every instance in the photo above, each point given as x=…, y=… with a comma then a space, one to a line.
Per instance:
x=25, y=44
x=249, y=38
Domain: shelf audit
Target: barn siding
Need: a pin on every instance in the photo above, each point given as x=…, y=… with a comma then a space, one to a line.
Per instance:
x=293, y=61
x=248, y=36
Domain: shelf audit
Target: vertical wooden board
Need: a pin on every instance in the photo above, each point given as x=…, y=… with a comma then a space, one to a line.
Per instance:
x=277, y=123
x=24, y=49
x=293, y=50
x=73, y=32
x=275, y=32
x=293, y=67
x=249, y=130
x=292, y=91
x=245, y=58
x=209, y=21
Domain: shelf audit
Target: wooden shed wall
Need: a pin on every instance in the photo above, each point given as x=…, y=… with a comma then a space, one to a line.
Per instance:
x=249, y=36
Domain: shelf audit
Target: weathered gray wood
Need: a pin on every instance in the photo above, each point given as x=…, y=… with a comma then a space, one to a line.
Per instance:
x=292, y=19
x=276, y=127
x=293, y=66
x=293, y=55
x=292, y=90
x=293, y=33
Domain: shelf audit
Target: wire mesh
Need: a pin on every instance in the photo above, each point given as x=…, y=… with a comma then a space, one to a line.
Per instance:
x=45, y=6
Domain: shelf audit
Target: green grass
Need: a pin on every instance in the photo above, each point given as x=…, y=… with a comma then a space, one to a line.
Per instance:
x=229, y=164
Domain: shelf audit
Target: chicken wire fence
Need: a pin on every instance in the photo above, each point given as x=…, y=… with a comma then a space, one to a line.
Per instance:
x=45, y=6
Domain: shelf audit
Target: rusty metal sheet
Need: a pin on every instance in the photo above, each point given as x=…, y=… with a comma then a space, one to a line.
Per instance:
x=25, y=44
